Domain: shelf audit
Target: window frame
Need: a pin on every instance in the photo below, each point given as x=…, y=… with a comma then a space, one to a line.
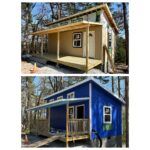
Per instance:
x=80, y=39
x=58, y=98
x=51, y=100
x=104, y=114
x=70, y=94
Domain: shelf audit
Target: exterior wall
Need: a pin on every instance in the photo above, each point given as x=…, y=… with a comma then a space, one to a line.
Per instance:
x=106, y=28
x=113, y=45
x=88, y=17
x=59, y=112
x=100, y=98
x=52, y=43
x=66, y=43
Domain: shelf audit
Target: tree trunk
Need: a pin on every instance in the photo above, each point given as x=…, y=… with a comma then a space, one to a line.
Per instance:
x=59, y=11
x=126, y=34
x=112, y=79
x=118, y=86
x=127, y=109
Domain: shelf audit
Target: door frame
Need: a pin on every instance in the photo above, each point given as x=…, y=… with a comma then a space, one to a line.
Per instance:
x=73, y=111
x=83, y=111
x=84, y=45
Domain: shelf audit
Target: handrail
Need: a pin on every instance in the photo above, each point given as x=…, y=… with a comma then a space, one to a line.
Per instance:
x=78, y=126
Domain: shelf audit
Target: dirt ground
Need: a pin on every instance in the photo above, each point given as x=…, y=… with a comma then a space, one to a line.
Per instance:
x=26, y=68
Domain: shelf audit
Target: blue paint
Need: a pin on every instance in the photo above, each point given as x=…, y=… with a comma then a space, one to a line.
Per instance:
x=58, y=117
x=80, y=91
x=100, y=97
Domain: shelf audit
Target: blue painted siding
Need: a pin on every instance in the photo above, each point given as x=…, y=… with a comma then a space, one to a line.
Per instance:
x=58, y=117
x=58, y=114
x=80, y=91
x=100, y=98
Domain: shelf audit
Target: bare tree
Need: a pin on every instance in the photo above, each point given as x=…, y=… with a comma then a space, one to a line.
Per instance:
x=127, y=109
x=112, y=81
x=126, y=32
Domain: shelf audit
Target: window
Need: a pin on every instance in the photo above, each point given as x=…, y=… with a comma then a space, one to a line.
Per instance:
x=70, y=95
x=107, y=114
x=71, y=112
x=51, y=100
x=77, y=40
x=109, y=39
x=60, y=97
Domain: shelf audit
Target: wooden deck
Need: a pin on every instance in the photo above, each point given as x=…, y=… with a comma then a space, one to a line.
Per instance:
x=54, y=138
x=44, y=142
x=71, y=61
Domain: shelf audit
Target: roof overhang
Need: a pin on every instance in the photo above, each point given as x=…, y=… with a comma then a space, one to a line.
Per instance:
x=58, y=103
x=72, y=26
x=100, y=7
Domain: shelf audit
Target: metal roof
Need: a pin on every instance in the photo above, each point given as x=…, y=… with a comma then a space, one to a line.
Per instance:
x=58, y=103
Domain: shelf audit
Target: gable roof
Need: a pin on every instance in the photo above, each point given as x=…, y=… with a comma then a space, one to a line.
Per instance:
x=82, y=82
x=103, y=7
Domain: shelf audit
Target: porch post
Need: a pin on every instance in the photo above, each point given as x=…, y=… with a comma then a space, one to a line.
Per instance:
x=49, y=118
x=42, y=45
x=87, y=47
x=58, y=44
x=67, y=124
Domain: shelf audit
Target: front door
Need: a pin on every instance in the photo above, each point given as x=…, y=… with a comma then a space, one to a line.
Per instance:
x=80, y=112
x=91, y=44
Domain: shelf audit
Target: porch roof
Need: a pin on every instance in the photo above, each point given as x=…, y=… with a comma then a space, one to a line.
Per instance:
x=58, y=103
x=72, y=26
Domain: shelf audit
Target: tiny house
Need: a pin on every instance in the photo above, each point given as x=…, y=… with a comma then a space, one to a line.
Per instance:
x=78, y=40
x=84, y=110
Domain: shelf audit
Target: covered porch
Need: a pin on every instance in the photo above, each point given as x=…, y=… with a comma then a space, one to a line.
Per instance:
x=76, y=129
x=83, y=63
x=71, y=61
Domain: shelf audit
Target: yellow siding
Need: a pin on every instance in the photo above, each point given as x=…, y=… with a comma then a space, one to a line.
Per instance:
x=66, y=43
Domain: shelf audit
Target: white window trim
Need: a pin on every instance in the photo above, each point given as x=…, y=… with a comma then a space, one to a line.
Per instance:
x=70, y=94
x=51, y=100
x=59, y=97
x=83, y=110
x=105, y=114
x=73, y=110
x=80, y=46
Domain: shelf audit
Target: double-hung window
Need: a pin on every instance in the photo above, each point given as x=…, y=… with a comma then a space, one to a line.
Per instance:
x=107, y=114
x=77, y=40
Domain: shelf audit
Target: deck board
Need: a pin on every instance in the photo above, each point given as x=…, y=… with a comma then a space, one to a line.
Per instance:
x=44, y=142
x=71, y=61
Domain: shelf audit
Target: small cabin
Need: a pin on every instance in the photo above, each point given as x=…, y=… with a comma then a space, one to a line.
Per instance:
x=83, y=40
x=84, y=110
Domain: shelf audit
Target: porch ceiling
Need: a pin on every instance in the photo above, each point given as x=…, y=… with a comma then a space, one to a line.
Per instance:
x=68, y=27
x=58, y=103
